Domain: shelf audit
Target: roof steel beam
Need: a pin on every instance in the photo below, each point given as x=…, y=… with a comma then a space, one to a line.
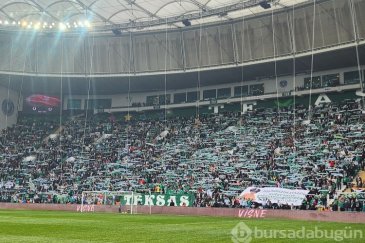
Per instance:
x=87, y=8
x=204, y=7
x=43, y=10
x=149, y=13
x=191, y=16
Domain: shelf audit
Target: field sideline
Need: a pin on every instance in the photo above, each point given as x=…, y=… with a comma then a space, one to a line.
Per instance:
x=52, y=226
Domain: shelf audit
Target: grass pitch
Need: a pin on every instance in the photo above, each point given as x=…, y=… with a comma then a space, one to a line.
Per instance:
x=50, y=226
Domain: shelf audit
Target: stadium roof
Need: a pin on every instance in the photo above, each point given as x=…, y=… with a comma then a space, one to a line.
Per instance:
x=131, y=15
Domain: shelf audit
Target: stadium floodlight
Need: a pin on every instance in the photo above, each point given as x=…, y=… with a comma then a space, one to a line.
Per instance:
x=87, y=23
x=265, y=5
x=62, y=26
x=186, y=22
x=37, y=26
x=117, y=32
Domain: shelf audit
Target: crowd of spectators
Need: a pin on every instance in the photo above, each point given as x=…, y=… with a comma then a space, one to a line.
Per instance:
x=215, y=157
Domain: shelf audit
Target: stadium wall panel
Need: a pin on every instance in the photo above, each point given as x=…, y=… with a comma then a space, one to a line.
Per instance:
x=346, y=217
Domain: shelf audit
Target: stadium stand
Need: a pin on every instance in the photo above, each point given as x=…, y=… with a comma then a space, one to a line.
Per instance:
x=208, y=157
x=182, y=121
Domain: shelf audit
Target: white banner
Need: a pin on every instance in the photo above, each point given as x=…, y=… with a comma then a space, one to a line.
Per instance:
x=275, y=195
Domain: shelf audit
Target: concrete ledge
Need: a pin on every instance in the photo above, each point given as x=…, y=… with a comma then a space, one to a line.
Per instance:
x=344, y=217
